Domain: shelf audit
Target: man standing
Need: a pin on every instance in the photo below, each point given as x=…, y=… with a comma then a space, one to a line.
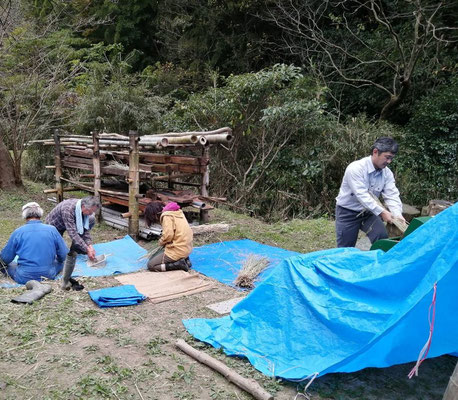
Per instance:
x=76, y=217
x=40, y=249
x=356, y=207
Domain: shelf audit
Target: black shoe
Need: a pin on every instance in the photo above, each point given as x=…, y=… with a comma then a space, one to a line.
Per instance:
x=188, y=262
x=75, y=284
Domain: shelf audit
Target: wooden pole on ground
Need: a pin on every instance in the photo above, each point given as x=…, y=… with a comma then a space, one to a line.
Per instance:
x=205, y=182
x=58, y=164
x=96, y=167
x=134, y=186
x=451, y=393
x=249, y=385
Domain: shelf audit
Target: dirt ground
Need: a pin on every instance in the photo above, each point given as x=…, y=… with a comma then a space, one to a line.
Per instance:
x=65, y=347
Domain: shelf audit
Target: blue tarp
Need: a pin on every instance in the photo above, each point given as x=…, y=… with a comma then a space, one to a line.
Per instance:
x=343, y=310
x=117, y=296
x=124, y=258
x=222, y=261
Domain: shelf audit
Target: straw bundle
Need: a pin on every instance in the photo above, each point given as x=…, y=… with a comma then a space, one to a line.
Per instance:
x=251, y=268
x=151, y=253
x=398, y=222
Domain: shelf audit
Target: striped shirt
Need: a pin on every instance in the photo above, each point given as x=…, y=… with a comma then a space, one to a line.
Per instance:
x=63, y=218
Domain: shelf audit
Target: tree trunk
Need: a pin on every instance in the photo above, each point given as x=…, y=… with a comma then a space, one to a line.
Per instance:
x=7, y=173
x=395, y=100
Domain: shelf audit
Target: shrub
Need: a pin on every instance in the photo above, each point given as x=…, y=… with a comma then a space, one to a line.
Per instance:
x=429, y=167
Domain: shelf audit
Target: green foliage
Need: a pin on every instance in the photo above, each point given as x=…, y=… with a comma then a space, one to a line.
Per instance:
x=113, y=100
x=288, y=155
x=132, y=24
x=429, y=167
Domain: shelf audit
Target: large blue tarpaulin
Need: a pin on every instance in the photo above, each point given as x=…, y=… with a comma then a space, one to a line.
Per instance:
x=343, y=310
x=222, y=261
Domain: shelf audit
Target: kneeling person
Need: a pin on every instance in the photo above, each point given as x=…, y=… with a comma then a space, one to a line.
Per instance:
x=176, y=238
x=40, y=249
x=76, y=217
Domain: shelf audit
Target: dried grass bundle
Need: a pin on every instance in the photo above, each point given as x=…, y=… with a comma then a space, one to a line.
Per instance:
x=151, y=253
x=251, y=268
x=117, y=165
x=398, y=222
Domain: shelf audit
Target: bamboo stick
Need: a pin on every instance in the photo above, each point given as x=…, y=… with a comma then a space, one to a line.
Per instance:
x=190, y=139
x=199, y=133
x=249, y=385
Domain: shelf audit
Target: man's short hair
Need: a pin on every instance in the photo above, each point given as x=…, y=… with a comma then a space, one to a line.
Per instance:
x=32, y=210
x=385, y=144
x=90, y=202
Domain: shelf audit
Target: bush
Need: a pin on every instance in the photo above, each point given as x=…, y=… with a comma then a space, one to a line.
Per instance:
x=429, y=167
x=289, y=155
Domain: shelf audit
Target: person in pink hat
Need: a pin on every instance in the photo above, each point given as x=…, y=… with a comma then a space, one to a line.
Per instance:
x=176, y=238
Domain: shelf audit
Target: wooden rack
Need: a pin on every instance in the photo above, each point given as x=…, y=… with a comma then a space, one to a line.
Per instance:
x=171, y=159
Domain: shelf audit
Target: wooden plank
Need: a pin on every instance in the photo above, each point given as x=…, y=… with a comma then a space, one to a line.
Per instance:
x=78, y=160
x=82, y=153
x=164, y=168
x=76, y=166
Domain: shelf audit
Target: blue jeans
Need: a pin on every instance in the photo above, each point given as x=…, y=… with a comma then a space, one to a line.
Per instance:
x=14, y=271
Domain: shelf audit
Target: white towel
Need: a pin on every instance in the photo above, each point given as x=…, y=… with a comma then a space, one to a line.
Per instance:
x=82, y=221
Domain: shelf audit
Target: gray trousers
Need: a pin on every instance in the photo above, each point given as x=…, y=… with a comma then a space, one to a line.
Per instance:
x=157, y=260
x=349, y=222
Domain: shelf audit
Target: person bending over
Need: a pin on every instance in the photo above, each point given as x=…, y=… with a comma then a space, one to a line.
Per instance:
x=176, y=238
x=40, y=249
x=76, y=216
x=356, y=207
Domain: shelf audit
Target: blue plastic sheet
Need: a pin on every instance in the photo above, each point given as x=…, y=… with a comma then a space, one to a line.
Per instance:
x=343, y=310
x=117, y=296
x=222, y=261
x=124, y=258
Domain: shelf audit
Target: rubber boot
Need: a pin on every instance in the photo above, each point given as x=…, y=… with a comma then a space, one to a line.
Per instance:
x=67, y=271
x=177, y=265
x=36, y=291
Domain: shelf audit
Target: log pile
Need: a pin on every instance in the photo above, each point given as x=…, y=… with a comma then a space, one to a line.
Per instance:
x=151, y=160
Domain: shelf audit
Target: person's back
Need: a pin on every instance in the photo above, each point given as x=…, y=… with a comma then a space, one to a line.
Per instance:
x=36, y=251
x=39, y=248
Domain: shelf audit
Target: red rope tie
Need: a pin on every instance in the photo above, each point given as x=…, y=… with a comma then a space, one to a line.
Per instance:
x=424, y=351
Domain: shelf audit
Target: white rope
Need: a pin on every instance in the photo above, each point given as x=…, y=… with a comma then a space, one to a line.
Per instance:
x=304, y=394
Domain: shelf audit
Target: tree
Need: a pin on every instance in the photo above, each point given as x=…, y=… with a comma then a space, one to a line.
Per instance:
x=359, y=44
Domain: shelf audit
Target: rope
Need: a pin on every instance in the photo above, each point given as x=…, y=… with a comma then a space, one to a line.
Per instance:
x=424, y=351
x=305, y=394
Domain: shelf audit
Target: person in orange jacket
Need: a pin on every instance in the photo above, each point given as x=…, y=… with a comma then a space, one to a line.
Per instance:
x=176, y=238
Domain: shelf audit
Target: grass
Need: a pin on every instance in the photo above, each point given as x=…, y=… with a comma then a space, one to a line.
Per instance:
x=64, y=347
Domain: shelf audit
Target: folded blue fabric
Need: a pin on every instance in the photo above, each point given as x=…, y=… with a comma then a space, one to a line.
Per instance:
x=118, y=296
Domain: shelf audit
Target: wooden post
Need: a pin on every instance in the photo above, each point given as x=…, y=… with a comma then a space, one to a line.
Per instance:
x=204, y=183
x=96, y=166
x=170, y=184
x=58, y=164
x=249, y=385
x=134, y=185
